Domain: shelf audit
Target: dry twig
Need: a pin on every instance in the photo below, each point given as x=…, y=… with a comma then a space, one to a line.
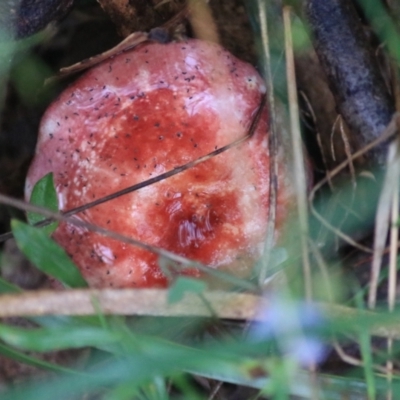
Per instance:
x=382, y=217
x=153, y=302
x=388, y=133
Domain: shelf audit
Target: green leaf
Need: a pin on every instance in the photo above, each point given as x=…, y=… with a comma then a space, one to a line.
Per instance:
x=44, y=195
x=183, y=285
x=44, y=339
x=29, y=360
x=7, y=287
x=46, y=254
x=367, y=354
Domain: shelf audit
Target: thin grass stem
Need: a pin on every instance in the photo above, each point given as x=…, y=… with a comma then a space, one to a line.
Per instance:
x=300, y=177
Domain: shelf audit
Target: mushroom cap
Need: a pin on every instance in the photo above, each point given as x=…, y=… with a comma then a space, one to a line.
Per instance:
x=140, y=114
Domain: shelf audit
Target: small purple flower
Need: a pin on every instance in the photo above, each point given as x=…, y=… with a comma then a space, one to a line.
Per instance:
x=294, y=327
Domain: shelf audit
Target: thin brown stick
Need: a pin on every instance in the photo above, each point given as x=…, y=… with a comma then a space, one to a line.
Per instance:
x=388, y=133
x=157, y=178
x=318, y=134
x=128, y=43
x=131, y=41
x=353, y=360
x=180, y=260
x=349, y=209
x=215, y=391
x=347, y=149
x=333, y=153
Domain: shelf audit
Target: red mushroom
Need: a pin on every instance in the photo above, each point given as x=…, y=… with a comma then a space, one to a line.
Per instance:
x=142, y=113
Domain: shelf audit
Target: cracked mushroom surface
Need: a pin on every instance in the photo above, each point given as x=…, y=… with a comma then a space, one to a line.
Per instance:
x=143, y=113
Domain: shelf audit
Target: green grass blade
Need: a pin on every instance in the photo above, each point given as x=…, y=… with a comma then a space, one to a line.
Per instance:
x=33, y=361
x=7, y=287
x=44, y=195
x=46, y=254
x=183, y=285
x=43, y=339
